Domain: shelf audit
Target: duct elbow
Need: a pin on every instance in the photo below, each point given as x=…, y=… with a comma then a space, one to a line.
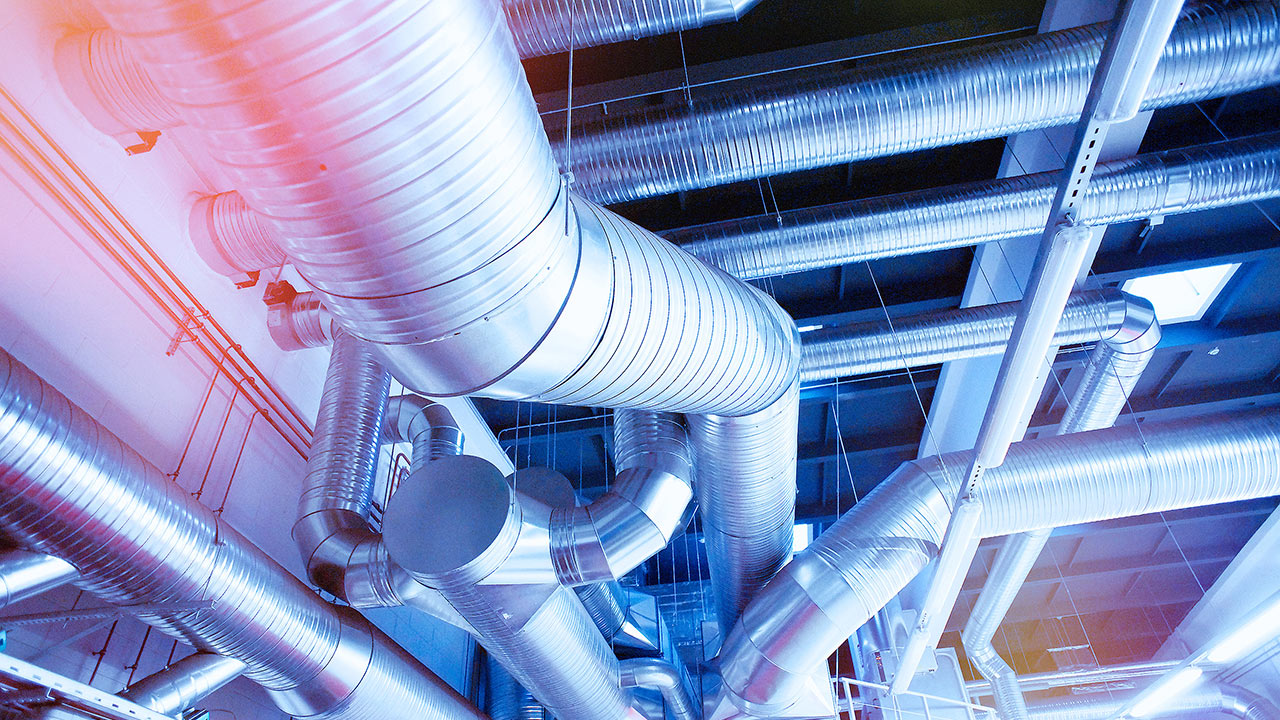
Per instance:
x=425, y=423
x=662, y=676
x=1140, y=331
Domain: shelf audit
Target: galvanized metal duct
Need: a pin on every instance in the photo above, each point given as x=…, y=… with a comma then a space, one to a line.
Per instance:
x=746, y=469
x=449, y=241
x=489, y=555
x=855, y=567
x=1106, y=314
x=184, y=683
x=959, y=96
x=639, y=514
x=1178, y=181
x=505, y=699
x=660, y=675
x=62, y=479
x=1088, y=676
x=1229, y=700
x=108, y=85
x=542, y=27
x=1110, y=375
x=231, y=237
x=25, y=574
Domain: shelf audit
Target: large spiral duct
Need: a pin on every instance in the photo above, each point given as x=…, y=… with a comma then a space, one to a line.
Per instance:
x=1168, y=183
x=960, y=96
x=409, y=180
x=542, y=27
x=64, y=480
x=869, y=555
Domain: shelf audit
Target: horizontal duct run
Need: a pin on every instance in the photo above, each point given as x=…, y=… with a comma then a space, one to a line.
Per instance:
x=819, y=599
x=63, y=477
x=1116, y=318
x=968, y=94
x=1212, y=698
x=542, y=27
x=1200, y=177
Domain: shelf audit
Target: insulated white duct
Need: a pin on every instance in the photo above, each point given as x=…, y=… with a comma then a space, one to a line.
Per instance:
x=866, y=557
x=65, y=486
x=959, y=96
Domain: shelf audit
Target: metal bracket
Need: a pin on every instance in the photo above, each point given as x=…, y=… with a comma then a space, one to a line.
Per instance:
x=190, y=322
x=149, y=139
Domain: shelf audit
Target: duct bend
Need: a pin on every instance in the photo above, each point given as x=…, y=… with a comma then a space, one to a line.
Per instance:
x=660, y=675
x=342, y=553
x=489, y=555
x=62, y=475
x=1113, y=369
x=640, y=513
x=184, y=683
x=866, y=557
x=1231, y=700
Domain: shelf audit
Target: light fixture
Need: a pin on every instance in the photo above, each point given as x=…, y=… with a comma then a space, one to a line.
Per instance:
x=809, y=328
x=1263, y=626
x=1165, y=689
x=1183, y=295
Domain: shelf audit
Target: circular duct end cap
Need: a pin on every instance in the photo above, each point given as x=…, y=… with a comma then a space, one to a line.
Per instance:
x=548, y=486
x=447, y=514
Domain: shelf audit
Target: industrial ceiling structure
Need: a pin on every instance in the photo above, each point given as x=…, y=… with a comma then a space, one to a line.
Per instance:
x=599, y=359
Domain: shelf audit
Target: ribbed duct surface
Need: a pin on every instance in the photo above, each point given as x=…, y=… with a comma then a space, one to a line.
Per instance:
x=964, y=95
x=542, y=27
x=70, y=488
x=933, y=338
x=1229, y=700
x=231, y=237
x=183, y=684
x=110, y=86
x=866, y=558
x=746, y=470
x=1168, y=183
x=402, y=163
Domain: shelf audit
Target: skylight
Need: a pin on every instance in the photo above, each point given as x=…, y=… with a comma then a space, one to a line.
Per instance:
x=803, y=535
x=1185, y=295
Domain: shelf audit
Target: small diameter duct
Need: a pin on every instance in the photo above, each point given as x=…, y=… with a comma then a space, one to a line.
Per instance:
x=63, y=478
x=1196, y=178
x=1110, y=375
x=184, y=683
x=942, y=99
x=1122, y=322
x=861, y=562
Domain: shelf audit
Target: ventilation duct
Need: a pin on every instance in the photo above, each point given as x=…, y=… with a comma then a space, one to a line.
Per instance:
x=1200, y=177
x=1148, y=186
x=866, y=557
x=542, y=27
x=1124, y=323
x=1229, y=700
x=450, y=243
x=662, y=676
x=947, y=98
x=62, y=475
x=184, y=683
x=26, y=574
